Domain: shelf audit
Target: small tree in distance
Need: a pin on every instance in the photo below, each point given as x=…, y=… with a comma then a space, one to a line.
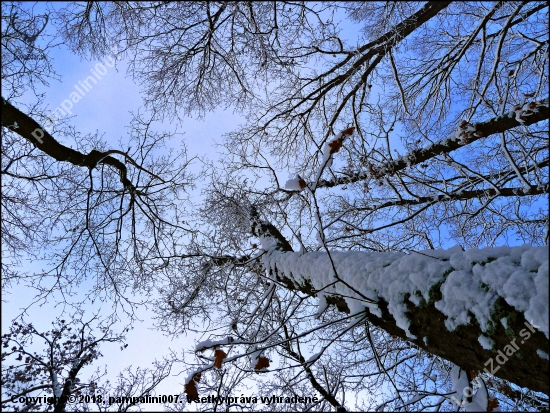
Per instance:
x=56, y=369
x=46, y=371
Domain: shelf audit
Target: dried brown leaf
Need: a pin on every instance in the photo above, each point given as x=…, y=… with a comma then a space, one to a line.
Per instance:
x=492, y=405
x=348, y=131
x=263, y=362
x=219, y=356
x=191, y=390
x=335, y=145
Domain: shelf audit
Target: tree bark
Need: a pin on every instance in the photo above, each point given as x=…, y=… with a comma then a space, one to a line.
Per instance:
x=524, y=367
x=28, y=128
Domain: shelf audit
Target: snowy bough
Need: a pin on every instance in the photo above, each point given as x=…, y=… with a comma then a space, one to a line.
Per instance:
x=493, y=302
x=484, y=311
x=452, y=295
x=480, y=298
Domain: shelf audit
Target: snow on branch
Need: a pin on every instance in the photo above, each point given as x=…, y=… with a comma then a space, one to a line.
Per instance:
x=270, y=237
x=206, y=344
x=466, y=133
x=329, y=149
x=436, y=297
x=470, y=281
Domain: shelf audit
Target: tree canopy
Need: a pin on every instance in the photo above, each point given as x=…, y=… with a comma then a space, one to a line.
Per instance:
x=405, y=128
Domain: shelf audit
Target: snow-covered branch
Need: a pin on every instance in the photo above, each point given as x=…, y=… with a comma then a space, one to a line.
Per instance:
x=475, y=293
x=526, y=115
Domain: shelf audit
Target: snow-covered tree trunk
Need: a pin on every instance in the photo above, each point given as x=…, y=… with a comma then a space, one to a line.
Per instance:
x=482, y=309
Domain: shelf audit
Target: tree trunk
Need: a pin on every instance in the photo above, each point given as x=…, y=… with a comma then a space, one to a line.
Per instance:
x=394, y=280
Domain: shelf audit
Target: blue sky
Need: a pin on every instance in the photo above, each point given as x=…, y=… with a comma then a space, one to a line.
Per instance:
x=106, y=109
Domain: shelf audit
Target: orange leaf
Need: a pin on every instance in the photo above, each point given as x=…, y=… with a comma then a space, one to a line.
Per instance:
x=301, y=182
x=219, y=355
x=263, y=362
x=191, y=390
